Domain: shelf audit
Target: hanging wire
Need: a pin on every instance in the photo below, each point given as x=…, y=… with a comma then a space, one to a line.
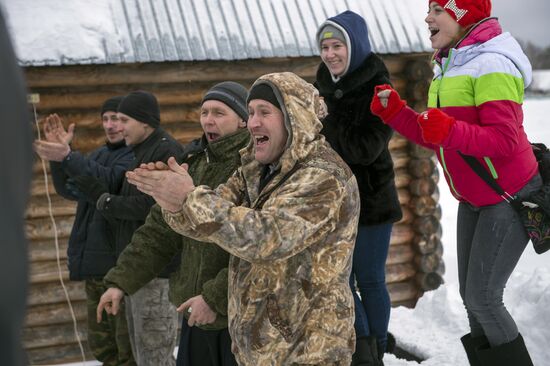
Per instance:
x=56, y=239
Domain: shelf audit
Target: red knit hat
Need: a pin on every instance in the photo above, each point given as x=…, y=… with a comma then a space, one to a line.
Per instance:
x=466, y=12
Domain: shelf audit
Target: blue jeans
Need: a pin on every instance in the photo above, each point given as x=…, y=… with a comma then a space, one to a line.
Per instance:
x=490, y=241
x=372, y=310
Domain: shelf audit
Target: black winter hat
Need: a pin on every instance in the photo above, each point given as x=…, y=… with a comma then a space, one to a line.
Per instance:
x=141, y=106
x=111, y=104
x=265, y=92
x=230, y=93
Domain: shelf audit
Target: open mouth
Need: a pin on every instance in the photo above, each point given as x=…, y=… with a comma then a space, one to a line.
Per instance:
x=212, y=136
x=433, y=31
x=261, y=139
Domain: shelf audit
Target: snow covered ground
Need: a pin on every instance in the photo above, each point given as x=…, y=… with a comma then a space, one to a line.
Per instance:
x=433, y=329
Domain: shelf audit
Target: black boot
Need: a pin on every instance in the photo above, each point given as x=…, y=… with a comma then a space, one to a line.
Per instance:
x=366, y=352
x=471, y=345
x=508, y=354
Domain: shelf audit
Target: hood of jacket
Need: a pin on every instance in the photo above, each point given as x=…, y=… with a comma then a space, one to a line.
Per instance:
x=299, y=101
x=487, y=37
x=354, y=28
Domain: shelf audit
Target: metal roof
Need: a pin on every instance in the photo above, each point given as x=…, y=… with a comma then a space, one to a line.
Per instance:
x=192, y=30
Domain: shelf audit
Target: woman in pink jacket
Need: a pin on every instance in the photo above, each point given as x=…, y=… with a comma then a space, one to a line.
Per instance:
x=475, y=108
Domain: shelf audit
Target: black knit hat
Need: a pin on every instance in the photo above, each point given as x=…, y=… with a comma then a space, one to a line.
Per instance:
x=141, y=106
x=111, y=104
x=264, y=92
x=230, y=93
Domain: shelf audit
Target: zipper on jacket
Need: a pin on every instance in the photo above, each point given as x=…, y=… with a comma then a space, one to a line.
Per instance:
x=441, y=153
x=451, y=184
x=207, y=156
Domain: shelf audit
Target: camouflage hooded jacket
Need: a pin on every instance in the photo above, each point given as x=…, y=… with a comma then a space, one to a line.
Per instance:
x=291, y=244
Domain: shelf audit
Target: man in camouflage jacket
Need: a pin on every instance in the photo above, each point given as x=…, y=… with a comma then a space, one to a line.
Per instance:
x=201, y=280
x=288, y=216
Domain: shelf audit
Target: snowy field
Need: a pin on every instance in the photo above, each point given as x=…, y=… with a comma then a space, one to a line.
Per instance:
x=433, y=329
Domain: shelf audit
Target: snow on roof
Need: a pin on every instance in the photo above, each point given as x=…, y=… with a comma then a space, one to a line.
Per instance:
x=50, y=32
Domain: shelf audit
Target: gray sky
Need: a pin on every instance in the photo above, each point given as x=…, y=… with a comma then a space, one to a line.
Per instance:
x=528, y=20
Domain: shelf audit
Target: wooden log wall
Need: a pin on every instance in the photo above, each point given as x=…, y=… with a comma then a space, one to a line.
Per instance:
x=77, y=92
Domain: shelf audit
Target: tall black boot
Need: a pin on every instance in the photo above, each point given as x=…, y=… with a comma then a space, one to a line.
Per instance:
x=471, y=344
x=366, y=352
x=508, y=354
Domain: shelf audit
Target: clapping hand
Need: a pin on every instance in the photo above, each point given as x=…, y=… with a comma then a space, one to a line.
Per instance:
x=168, y=184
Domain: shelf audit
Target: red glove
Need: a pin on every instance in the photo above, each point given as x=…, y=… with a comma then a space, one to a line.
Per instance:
x=435, y=125
x=386, y=107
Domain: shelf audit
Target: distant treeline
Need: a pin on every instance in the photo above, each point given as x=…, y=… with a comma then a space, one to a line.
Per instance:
x=539, y=56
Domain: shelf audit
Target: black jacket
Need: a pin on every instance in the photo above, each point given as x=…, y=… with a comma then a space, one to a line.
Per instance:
x=91, y=251
x=130, y=207
x=361, y=138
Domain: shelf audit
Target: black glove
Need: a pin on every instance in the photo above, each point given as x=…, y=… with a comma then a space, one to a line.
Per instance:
x=91, y=187
x=541, y=198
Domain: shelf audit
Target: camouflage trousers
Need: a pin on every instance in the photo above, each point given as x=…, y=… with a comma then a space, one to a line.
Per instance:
x=108, y=340
x=153, y=324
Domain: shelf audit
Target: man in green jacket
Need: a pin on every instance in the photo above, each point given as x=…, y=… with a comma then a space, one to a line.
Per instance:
x=200, y=284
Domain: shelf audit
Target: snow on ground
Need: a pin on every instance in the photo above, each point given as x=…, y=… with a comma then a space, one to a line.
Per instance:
x=541, y=81
x=433, y=329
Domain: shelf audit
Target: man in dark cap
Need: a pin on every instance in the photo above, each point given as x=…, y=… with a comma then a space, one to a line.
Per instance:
x=199, y=288
x=153, y=337
x=91, y=244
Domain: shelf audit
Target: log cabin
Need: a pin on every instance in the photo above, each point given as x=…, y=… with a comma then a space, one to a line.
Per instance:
x=83, y=52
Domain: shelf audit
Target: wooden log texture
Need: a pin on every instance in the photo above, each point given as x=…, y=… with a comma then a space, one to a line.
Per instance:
x=402, y=178
x=44, y=250
x=402, y=253
x=422, y=186
x=52, y=334
x=426, y=244
x=398, y=142
x=58, y=354
x=416, y=90
x=418, y=70
x=43, y=228
x=52, y=293
x=408, y=215
x=420, y=152
x=423, y=206
x=400, y=272
x=429, y=281
x=404, y=196
x=400, y=158
x=403, y=291
x=426, y=225
x=430, y=262
x=420, y=168
x=50, y=314
x=38, y=207
x=401, y=234
x=180, y=72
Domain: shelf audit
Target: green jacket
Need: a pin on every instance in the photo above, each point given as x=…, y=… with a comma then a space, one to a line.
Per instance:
x=203, y=269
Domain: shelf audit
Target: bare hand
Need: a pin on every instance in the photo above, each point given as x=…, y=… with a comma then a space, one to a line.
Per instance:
x=110, y=302
x=55, y=132
x=169, y=188
x=384, y=96
x=52, y=151
x=200, y=312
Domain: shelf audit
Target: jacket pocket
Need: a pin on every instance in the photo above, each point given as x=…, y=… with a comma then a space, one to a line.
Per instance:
x=276, y=319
